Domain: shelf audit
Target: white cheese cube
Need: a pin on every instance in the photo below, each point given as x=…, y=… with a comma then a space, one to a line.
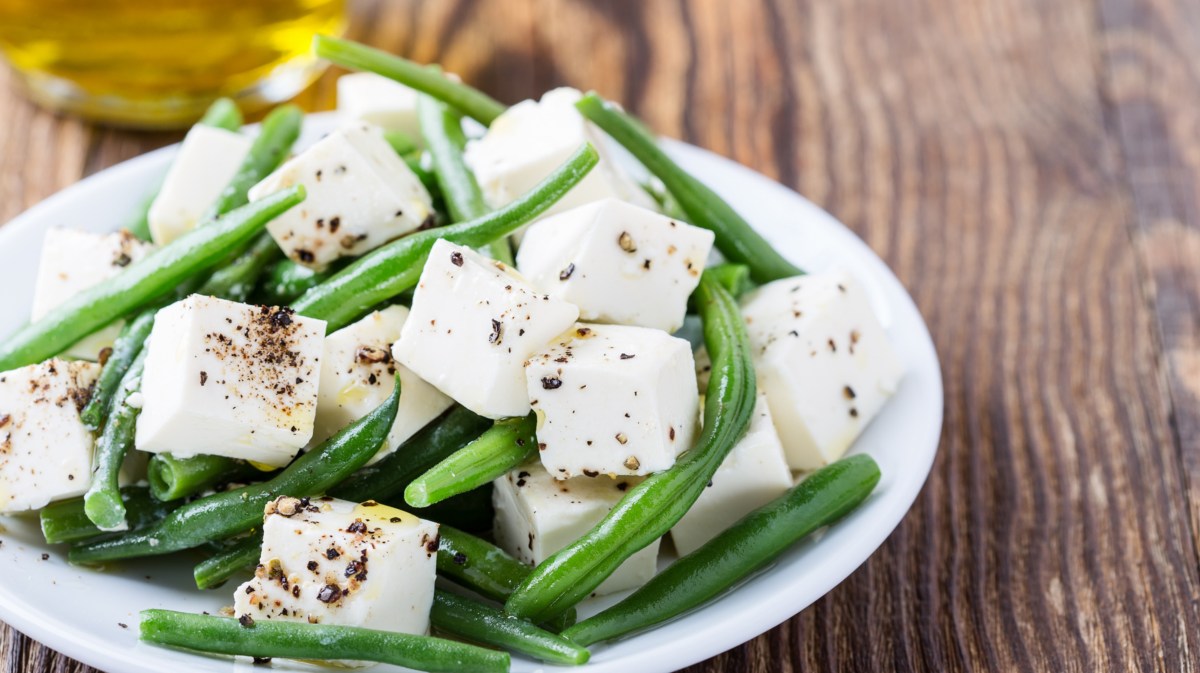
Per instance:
x=531, y=139
x=358, y=373
x=230, y=379
x=537, y=515
x=45, y=450
x=375, y=99
x=619, y=263
x=208, y=159
x=473, y=324
x=327, y=561
x=361, y=195
x=73, y=261
x=822, y=359
x=754, y=473
x=612, y=400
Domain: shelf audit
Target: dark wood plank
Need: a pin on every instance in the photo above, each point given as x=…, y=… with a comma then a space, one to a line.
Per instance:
x=966, y=142
x=1000, y=155
x=1151, y=61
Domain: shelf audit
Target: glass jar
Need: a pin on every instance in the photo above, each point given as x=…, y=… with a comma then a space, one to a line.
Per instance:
x=159, y=63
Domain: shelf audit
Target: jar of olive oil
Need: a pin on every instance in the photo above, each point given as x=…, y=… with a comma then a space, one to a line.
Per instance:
x=159, y=63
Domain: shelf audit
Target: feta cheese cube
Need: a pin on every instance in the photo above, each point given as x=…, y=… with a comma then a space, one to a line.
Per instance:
x=537, y=515
x=327, y=561
x=360, y=196
x=619, y=263
x=531, y=139
x=823, y=360
x=208, y=159
x=754, y=473
x=358, y=373
x=612, y=399
x=230, y=379
x=473, y=324
x=73, y=261
x=45, y=450
x=375, y=99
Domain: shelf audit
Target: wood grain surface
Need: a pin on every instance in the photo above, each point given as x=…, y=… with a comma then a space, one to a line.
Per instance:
x=1030, y=170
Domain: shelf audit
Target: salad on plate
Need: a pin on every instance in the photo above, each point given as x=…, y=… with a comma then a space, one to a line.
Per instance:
x=450, y=370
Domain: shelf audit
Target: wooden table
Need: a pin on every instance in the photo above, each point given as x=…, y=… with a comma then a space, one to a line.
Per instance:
x=1030, y=170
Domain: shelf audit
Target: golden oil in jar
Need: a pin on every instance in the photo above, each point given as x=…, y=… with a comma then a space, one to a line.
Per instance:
x=159, y=63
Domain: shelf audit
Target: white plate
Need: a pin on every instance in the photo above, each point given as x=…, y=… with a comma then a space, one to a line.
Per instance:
x=92, y=616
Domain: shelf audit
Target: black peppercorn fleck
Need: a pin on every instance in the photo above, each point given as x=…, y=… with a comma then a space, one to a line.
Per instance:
x=329, y=593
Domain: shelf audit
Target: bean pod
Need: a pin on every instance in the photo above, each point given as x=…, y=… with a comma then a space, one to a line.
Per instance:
x=471, y=620
x=427, y=79
x=504, y=446
x=824, y=497
x=296, y=640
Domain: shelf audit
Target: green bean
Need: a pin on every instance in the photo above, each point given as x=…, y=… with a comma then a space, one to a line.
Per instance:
x=222, y=515
x=426, y=79
x=401, y=142
x=213, y=571
x=141, y=282
x=735, y=238
x=733, y=277
x=507, y=444
x=103, y=502
x=124, y=351
x=298, y=640
x=172, y=478
x=472, y=620
x=276, y=135
x=479, y=565
x=820, y=500
x=222, y=114
x=651, y=508
x=667, y=203
x=389, y=476
x=66, y=520
x=237, y=280
x=486, y=569
x=395, y=267
x=442, y=130
x=286, y=280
